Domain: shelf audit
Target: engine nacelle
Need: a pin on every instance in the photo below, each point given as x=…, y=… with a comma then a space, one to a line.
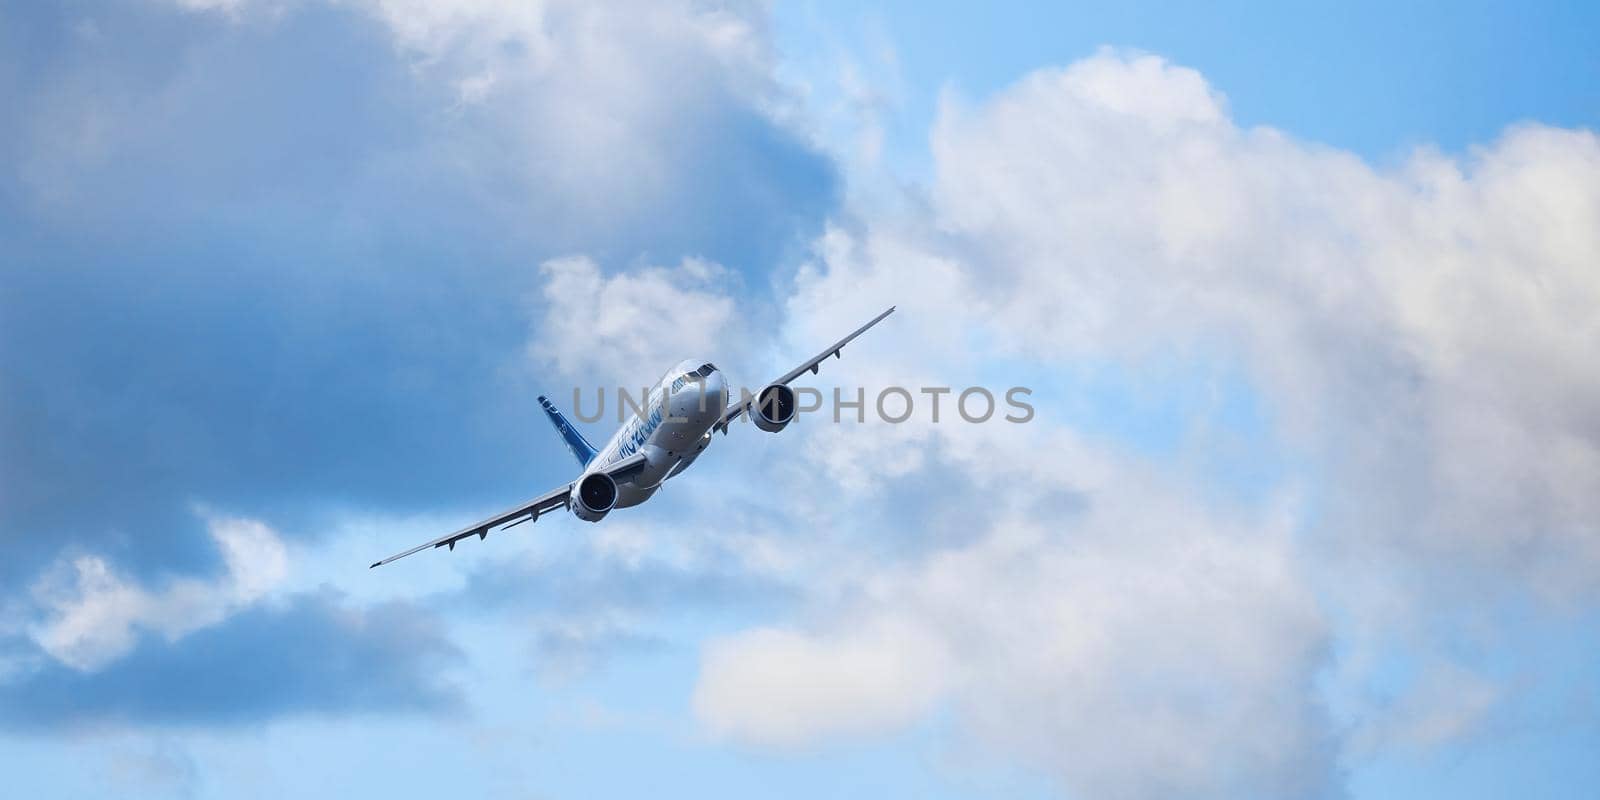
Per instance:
x=593, y=497
x=773, y=408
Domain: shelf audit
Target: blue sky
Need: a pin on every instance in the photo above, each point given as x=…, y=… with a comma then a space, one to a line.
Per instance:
x=1305, y=296
x=1369, y=77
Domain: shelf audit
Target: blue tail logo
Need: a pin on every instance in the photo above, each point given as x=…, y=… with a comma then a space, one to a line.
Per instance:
x=580, y=447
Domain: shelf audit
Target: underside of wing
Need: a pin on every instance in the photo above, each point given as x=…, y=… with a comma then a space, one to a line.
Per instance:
x=524, y=512
x=623, y=469
x=516, y=515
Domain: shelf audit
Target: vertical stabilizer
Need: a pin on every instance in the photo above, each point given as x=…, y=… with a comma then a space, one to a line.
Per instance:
x=580, y=447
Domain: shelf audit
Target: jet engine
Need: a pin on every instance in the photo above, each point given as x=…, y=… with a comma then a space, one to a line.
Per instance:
x=773, y=408
x=593, y=497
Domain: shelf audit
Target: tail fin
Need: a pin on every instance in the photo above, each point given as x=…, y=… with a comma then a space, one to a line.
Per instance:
x=580, y=447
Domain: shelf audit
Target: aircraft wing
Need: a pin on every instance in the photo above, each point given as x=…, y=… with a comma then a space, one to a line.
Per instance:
x=813, y=364
x=523, y=512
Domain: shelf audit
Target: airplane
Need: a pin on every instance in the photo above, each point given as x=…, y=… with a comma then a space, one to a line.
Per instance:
x=668, y=433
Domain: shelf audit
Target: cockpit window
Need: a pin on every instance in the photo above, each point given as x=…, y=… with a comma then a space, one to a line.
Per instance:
x=698, y=376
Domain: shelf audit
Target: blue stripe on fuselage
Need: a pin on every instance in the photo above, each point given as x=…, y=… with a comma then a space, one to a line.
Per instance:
x=638, y=433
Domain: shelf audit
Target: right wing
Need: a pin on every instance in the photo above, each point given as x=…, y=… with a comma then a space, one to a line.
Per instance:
x=525, y=512
x=736, y=410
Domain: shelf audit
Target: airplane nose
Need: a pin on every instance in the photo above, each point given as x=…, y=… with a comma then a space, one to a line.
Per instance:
x=717, y=391
x=703, y=399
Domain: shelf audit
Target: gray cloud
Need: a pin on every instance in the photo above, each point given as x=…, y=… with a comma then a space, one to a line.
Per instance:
x=308, y=654
x=275, y=258
x=629, y=588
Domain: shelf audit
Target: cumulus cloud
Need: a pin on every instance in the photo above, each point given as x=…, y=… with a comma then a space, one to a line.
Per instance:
x=601, y=111
x=1417, y=334
x=310, y=653
x=425, y=157
x=1126, y=629
x=103, y=649
x=625, y=329
x=877, y=677
x=93, y=616
x=1420, y=330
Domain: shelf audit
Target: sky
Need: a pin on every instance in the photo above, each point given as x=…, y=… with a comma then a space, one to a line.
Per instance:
x=1305, y=297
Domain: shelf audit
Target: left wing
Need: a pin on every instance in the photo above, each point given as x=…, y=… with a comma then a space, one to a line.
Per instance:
x=737, y=409
x=524, y=512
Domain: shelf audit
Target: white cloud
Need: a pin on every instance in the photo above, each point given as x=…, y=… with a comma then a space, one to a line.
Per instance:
x=1421, y=334
x=623, y=92
x=1421, y=337
x=1424, y=332
x=92, y=616
x=255, y=557
x=1138, y=628
x=879, y=676
x=625, y=329
x=560, y=123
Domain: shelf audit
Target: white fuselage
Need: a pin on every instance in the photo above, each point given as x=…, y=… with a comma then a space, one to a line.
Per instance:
x=671, y=430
